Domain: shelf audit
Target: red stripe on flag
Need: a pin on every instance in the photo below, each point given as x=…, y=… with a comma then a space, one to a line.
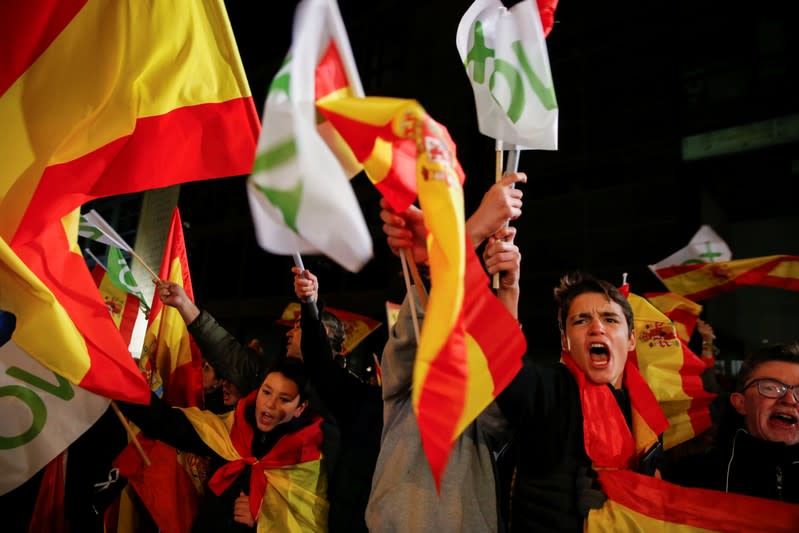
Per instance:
x=442, y=399
x=501, y=340
x=708, y=509
x=27, y=29
x=112, y=373
x=330, y=73
x=162, y=150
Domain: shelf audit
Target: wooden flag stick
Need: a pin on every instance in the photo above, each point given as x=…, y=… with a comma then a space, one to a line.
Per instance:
x=131, y=435
x=409, y=291
x=149, y=270
x=417, y=279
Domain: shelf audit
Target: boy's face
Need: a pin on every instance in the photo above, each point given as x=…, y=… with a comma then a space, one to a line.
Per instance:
x=278, y=402
x=770, y=419
x=596, y=335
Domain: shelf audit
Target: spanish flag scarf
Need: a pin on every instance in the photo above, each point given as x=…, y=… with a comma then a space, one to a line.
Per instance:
x=609, y=442
x=287, y=485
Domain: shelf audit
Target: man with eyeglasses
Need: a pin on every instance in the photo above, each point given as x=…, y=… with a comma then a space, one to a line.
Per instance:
x=756, y=450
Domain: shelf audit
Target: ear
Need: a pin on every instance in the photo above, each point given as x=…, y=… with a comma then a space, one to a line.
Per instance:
x=737, y=401
x=300, y=408
x=564, y=342
x=632, y=341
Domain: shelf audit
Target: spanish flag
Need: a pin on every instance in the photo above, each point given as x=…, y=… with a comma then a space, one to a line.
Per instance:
x=638, y=503
x=99, y=98
x=170, y=358
x=460, y=366
x=672, y=371
x=703, y=281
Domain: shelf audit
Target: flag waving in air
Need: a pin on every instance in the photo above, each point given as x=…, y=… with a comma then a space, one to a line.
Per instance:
x=672, y=371
x=170, y=358
x=506, y=59
x=460, y=365
x=300, y=196
x=705, y=247
x=702, y=281
x=150, y=94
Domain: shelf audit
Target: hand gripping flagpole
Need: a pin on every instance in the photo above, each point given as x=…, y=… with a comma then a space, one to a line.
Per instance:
x=511, y=166
x=311, y=304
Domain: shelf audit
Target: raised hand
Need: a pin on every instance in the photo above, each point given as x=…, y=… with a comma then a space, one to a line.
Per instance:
x=405, y=230
x=500, y=204
x=173, y=295
x=306, y=285
x=503, y=256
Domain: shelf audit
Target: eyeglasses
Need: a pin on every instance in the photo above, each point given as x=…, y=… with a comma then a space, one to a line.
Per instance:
x=771, y=388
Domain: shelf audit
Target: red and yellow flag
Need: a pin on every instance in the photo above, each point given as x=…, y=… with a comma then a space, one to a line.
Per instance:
x=356, y=326
x=123, y=306
x=97, y=99
x=638, y=503
x=460, y=365
x=702, y=281
x=170, y=358
x=672, y=371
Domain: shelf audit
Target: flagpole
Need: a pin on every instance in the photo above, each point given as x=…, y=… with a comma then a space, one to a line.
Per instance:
x=311, y=304
x=409, y=290
x=498, y=148
x=131, y=434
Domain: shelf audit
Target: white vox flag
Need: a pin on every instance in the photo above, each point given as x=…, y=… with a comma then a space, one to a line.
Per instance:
x=300, y=197
x=506, y=59
x=94, y=227
x=43, y=413
x=705, y=247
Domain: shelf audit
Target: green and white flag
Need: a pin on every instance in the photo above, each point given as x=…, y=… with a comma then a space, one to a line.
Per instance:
x=94, y=227
x=43, y=413
x=705, y=247
x=120, y=275
x=506, y=59
x=300, y=197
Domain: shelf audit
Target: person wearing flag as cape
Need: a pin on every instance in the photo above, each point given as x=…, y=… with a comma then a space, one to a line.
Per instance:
x=265, y=456
x=591, y=410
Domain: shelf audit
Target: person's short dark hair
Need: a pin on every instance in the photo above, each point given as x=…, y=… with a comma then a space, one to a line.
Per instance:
x=576, y=283
x=335, y=330
x=295, y=370
x=788, y=352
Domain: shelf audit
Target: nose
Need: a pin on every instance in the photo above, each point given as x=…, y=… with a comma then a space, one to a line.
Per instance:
x=596, y=325
x=791, y=395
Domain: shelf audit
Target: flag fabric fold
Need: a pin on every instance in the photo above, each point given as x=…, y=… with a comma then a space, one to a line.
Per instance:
x=638, y=503
x=672, y=371
x=146, y=90
x=699, y=282
x=300, y=196
x=506, y=59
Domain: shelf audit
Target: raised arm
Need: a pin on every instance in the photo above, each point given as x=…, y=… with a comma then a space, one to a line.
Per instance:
x=225, y=353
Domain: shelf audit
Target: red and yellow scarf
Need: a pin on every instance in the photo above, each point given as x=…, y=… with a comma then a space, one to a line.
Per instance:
x=609, y=442
x=287, y=485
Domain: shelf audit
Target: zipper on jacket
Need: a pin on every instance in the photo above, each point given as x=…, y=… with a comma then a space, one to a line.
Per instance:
x=779, y=482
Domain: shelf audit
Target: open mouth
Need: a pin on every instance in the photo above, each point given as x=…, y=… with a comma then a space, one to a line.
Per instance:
x=599, y=355
x=785, y=420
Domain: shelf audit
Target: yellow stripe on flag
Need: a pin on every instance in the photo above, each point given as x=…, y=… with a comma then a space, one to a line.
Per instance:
x=94, y=81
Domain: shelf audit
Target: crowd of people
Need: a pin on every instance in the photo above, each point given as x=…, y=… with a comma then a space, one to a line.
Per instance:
x=298, y=443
